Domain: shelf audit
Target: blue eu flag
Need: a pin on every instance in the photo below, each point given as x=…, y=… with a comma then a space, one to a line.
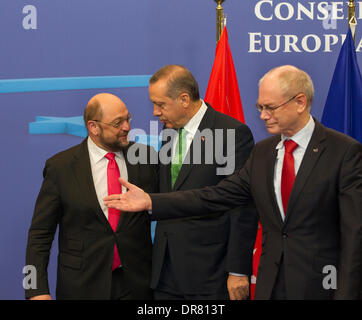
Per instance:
x=343, y=109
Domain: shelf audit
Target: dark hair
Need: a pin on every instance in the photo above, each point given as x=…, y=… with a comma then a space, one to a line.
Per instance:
x=179, y=80
x=93, y=111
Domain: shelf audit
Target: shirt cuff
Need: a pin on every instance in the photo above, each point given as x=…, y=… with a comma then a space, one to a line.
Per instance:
x=238, y=274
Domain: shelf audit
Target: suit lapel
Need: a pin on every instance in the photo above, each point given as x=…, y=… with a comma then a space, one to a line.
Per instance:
x=133, y=177
x=312, y=154
x=270, y=164
x=207, y=122
x=83, y=173
x=132, y=169
x=167, y=167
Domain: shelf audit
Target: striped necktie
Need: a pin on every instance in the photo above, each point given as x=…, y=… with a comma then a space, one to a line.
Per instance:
x=114, y=187
x=178, y=156
x=288, y=172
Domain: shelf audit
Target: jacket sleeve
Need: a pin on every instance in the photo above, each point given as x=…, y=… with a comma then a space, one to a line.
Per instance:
x=42, y=230
x=243, y=219
x=229, y=193
x=349, y=276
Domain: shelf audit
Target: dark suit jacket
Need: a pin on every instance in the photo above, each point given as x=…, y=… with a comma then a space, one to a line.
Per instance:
x=323, y=224
x=86, y=240
x=202, y=250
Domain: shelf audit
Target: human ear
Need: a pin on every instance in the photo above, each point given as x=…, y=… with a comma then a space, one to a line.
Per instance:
x=93, y=128
x=184, y=98
x=301, y=101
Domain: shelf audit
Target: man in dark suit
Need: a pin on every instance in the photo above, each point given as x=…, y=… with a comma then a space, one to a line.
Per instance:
x=200, y=257
x=309, y=199
x=102, y=254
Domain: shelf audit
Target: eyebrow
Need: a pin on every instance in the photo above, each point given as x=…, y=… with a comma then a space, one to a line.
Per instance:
x=265, y=105
x=120, y=118
x=158, y=102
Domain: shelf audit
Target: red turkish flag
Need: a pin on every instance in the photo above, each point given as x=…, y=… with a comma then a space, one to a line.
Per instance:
x=223, y=90
x=224, y=96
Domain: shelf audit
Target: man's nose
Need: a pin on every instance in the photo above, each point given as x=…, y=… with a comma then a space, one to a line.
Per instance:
x=126, y=126
x=156, y=111
x=264, y=115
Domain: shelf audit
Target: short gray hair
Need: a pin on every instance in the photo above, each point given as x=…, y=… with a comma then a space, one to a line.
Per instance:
x=293, y=81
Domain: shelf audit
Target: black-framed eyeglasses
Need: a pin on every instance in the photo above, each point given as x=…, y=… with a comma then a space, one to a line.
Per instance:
x=118, y=123
x=270, y=110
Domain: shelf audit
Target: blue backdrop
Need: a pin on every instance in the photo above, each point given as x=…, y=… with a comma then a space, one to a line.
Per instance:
x=62, y=39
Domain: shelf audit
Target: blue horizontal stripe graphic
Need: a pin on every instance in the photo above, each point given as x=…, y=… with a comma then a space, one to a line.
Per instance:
x=72, y=83
x=50, y=125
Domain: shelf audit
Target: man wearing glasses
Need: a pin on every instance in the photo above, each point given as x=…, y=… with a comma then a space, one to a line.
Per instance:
x=103, y=253
x=306, y=182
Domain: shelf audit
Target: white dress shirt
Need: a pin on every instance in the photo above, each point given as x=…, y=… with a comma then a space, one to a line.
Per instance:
x=190, y=129
x=99, y=171
x=302, y=138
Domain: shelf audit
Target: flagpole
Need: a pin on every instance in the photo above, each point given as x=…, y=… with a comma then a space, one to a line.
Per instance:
x=352, y=15
x=219, y=19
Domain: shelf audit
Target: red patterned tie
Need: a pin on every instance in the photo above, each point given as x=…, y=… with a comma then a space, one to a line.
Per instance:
x=114, y=187
x=288, y=172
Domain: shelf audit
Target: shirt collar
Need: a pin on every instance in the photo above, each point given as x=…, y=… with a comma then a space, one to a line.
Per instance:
x=98, y=153
x=194, y=122
x=302, y=137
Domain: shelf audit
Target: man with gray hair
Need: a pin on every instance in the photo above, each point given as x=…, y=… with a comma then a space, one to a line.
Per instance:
x=306, y=182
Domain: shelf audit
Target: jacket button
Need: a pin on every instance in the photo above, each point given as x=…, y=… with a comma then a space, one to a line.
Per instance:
x=285, y=235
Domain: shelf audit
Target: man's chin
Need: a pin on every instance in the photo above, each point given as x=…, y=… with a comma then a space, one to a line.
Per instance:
x=123, y=144
x=123, y=141
x=168, y=125
x=273, y=129
x=120, y=145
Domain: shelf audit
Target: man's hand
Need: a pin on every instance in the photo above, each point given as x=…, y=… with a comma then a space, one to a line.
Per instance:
x=238, y=287
x=135, y=199
x=41, y=297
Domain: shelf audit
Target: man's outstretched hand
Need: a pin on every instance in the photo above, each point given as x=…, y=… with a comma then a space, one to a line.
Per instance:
x=135, y=199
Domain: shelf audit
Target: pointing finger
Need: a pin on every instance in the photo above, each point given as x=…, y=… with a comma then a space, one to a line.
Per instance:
x=112, y=197
x=125, y=183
